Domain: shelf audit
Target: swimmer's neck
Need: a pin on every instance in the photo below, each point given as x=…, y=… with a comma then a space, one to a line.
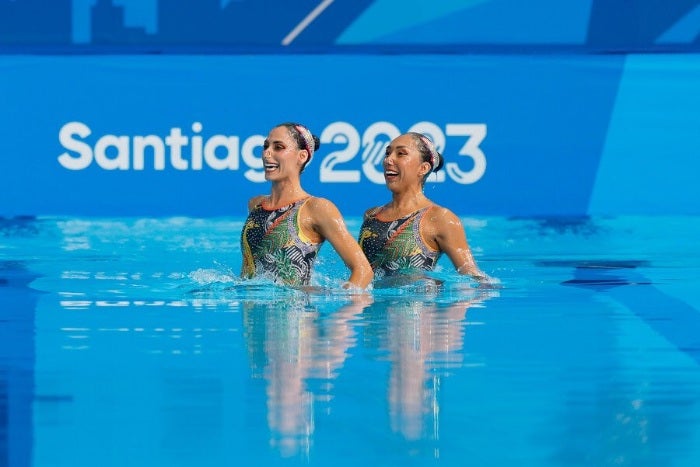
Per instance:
x=285, y=193
x=407, y=202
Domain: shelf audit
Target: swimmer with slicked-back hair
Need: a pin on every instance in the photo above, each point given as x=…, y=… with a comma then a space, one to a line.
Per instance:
x=405, y=237
x=285, y=229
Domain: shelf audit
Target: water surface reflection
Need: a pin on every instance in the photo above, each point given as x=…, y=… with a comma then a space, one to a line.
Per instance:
x=424, y=342
x=299, y=348
x=291, y=342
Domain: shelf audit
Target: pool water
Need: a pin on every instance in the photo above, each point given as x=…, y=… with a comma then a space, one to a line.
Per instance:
x=133, y=342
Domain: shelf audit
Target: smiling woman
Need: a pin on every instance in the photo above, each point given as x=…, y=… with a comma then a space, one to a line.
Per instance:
x=406, y=236
x=285, y=229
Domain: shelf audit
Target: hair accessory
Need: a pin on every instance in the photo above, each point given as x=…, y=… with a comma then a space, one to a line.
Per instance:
x=434, y=155
x=308, y=139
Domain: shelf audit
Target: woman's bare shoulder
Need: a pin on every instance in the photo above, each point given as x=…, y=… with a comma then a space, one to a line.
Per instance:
x=321, y=207
x=441, y=211
x=255, y=201
x=371, y=211
x=441, y=215
x=315, y=202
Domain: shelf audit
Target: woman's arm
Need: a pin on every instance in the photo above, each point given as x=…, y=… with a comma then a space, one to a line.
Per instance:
x=325, y=219
x=452, y=240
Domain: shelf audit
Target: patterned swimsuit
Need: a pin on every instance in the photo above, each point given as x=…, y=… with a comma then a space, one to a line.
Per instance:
x=272, y=245
x=396, y=247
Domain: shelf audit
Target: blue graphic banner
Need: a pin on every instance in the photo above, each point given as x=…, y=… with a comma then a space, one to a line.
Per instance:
x=370, y=26
x=182, y=135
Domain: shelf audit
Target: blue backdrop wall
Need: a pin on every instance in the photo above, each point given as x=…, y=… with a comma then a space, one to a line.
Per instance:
x=160, y=107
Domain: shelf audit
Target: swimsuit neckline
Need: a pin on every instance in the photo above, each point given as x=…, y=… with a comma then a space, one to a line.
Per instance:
x=410, y=214
x=288, y=205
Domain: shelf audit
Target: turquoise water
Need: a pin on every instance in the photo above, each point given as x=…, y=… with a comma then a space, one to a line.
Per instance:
x=132, y=342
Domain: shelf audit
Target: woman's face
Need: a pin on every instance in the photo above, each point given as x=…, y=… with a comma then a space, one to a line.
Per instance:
x=282, y=158
x=403, y=167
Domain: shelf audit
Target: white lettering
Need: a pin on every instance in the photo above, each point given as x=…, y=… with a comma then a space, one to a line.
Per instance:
x=340, y=133
x=155, y=143
x=176, y=141
x=65, y=136
x=121, y=144
x=475, y=133
x=256, y=172
x=225, y=152
x=196, y=147
x=375, y=140
x=230, y=143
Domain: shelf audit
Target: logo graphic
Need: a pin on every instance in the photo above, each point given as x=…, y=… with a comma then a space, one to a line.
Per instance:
x=196, y=151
